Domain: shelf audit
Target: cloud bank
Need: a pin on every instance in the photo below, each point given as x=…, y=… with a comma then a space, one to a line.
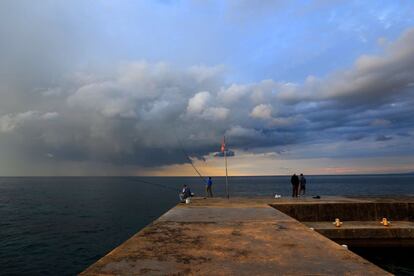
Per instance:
x=140, y=114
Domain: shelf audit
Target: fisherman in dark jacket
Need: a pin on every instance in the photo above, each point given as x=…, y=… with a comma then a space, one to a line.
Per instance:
x=295, y=185
x=185, y=193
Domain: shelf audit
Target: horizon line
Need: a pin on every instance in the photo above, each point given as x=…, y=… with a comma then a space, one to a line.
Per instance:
x=196, y=176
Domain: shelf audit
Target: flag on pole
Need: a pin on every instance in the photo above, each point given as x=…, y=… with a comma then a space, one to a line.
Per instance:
x=223, y=150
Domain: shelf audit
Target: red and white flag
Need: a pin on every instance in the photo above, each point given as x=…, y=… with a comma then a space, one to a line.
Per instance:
x=223, y=145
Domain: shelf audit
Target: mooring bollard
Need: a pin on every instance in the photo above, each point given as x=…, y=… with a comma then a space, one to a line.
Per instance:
x=337, y=222
x=385, y=222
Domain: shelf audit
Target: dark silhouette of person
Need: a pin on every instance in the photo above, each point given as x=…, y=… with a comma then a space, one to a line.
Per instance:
x=302, y=184
x=295, y=185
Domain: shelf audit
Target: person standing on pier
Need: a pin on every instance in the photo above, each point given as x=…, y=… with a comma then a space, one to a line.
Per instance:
x=295, y=185
x=209, y=192
x=302, y=185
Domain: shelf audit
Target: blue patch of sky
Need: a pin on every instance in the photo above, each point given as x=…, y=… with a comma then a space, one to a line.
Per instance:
x=285, y=41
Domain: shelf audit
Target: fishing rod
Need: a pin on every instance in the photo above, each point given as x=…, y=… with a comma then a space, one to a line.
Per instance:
x=188, y=157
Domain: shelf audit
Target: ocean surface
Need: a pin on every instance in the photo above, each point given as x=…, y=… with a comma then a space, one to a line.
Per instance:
x=61, y=225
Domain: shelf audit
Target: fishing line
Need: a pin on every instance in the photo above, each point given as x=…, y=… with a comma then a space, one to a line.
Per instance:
x=188, y=157
x=157, y=184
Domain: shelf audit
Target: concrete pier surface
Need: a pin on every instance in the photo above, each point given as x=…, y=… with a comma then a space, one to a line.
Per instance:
x=251, y=236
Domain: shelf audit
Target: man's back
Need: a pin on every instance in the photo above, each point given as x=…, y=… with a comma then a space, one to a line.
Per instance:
x=186, y=192
x=302, y=181
x=294, y=180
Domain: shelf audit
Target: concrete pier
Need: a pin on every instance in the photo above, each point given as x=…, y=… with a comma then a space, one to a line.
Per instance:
x=361, y=216
x=247, y=236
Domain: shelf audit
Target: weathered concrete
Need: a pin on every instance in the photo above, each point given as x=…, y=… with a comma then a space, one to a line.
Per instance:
x=368, y=233
x=361, y=217
x=231, y=237
x=349, y=209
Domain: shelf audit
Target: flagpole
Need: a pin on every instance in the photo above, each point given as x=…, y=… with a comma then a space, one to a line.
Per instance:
x=225, y=162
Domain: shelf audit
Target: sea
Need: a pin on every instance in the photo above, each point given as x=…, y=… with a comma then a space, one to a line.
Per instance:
x=61, y=225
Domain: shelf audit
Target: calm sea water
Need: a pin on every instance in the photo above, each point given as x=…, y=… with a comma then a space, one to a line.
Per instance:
x=61, y=225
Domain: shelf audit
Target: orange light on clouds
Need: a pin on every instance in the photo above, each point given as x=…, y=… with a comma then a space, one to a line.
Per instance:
x=245, y=164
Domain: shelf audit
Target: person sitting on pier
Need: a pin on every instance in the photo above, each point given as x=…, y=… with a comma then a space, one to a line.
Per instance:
x=185, y=193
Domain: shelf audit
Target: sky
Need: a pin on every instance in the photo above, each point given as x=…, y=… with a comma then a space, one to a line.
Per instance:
x=110, y=87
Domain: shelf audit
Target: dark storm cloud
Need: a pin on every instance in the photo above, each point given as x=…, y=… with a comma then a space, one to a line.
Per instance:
x=145, y=113
x=383, y=138
x=229, y=153
x=355, y=137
